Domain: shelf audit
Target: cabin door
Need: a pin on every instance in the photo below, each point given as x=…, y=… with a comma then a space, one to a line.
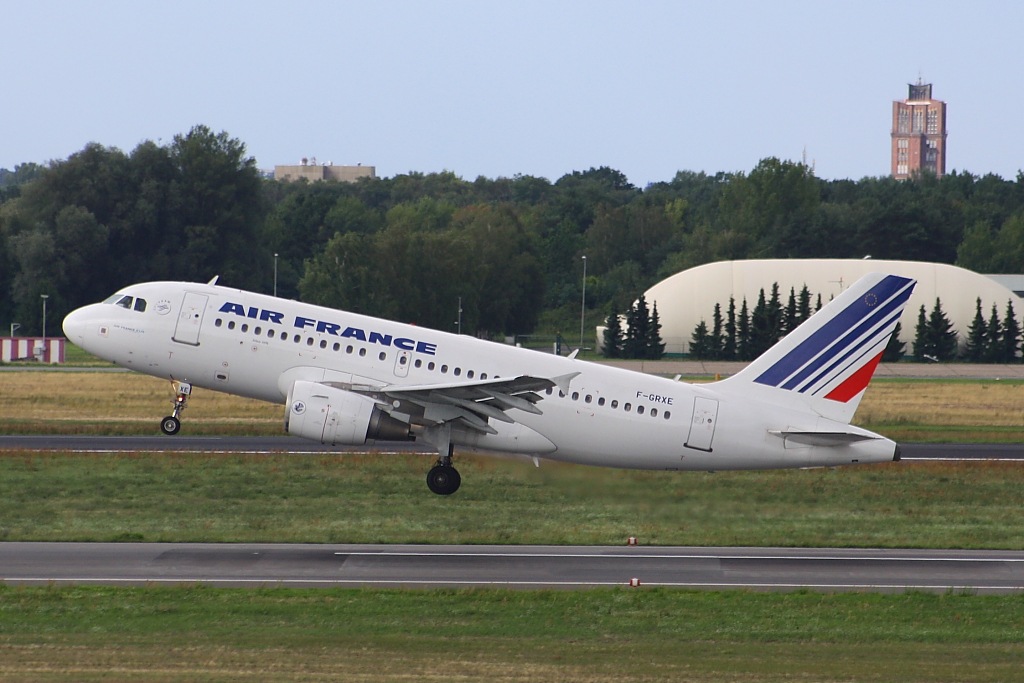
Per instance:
x=702, y=426
x=190, y=319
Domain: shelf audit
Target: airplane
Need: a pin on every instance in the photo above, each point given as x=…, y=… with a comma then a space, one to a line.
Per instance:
x=349, y=379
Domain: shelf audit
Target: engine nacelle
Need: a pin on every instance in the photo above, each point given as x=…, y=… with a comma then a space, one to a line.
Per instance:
x=322, y=413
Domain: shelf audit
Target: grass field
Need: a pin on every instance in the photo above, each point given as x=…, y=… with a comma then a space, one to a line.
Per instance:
x=383, y=499
x=199, y=633
x=35, y=402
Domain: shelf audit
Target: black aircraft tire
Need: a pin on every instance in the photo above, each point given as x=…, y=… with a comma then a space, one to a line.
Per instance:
x=170, y=425
x=444, y=481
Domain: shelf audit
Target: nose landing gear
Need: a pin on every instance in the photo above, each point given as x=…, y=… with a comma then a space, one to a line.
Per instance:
x=171, y=424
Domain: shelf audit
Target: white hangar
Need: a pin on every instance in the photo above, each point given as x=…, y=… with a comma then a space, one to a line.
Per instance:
x=687, y=297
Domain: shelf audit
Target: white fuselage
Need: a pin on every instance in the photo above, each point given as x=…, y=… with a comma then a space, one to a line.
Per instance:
x=256, y=346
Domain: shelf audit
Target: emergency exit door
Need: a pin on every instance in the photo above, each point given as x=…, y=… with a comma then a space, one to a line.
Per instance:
x=190, y=319
x=702, y=425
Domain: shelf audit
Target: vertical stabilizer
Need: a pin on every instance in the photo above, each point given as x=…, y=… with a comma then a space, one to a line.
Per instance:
x=825, y=364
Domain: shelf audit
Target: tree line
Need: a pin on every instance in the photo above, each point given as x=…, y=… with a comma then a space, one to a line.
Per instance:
x=406, y=247
x=743, y=336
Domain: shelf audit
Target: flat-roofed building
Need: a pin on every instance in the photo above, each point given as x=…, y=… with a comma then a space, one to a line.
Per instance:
x=918, y=134
x=313, y=172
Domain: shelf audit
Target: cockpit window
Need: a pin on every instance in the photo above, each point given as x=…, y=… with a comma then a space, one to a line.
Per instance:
x=140, y=305
x=125, y=302
x=112, y=298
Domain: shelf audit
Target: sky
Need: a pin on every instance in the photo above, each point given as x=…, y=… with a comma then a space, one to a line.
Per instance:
x=533, y=88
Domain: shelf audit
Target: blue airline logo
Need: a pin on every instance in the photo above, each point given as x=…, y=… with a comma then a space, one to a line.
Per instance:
x=849, y=340
x=335, y=329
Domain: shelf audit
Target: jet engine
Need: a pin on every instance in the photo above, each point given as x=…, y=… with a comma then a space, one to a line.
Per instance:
x=323, y=413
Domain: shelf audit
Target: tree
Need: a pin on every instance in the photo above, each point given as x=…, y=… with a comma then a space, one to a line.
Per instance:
x=655, y=347
x=922, y=343
x=1010, y=343
x=729, y=346
x=804, y=307
x=638, y=332
x=993, y=338
x=743, y=340
x=716, y=340
x=941, y=334
x=699, y=341
x=791, y=317
x=977, y=347
x=895, y=349
x=612, y=345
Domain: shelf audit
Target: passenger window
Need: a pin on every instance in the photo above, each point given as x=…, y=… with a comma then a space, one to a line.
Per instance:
x=362, y=352
x=309, y=341
x=297, y=338
x=668, y=414
x=575, y=395
x=140, y=305
x=600, y=401
x=458, y=371
x=549, y=391
x=125, y=302
x=588, y=398
x=323, y=343
x=349, y=349
x=483, y=375
x=444, y=369
x=627, y=407
x=259, y=331
x=218, y=322
x=382, y=355
x=639, y=410
x=231, y=324
x=270, y=333
x=469, y=374
x=245, y=328
x=615, y=404
x=418, y=363
x=561, y=394
x=402, y=360
x=430, y=365
x=337, y=346
x=654, y=412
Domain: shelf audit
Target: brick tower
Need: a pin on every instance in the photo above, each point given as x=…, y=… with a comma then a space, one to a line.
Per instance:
x=918, y=134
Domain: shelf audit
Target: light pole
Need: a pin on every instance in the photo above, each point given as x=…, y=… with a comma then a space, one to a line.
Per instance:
x=44, y=297
x=15, y=327
x=275, y=275
x=460, y=315
x=583, y=306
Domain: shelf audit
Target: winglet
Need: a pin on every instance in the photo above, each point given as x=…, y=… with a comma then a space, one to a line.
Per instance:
x=562, y=381
x=214, y=280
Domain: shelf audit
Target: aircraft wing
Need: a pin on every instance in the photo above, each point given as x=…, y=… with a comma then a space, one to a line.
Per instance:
x=470, y=402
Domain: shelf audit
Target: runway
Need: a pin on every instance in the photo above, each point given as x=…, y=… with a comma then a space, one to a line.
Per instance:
x=255, y=565
x=290, y=444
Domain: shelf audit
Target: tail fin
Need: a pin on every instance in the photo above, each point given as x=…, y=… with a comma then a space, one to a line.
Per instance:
x=825, y=365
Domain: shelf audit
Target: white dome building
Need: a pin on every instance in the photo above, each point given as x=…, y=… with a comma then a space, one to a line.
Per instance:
x=688, y=297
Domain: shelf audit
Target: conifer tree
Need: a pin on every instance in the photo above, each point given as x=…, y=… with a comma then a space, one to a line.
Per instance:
x=895, y=349
x=922, y=346
x=818, y=306
x=655, y=347
x=699, y=341
x=635, y=342
x=612, y=346
x=759, y=327
x=977, y=336
x=993, y=338
x=729, y=347
x=1010, y=342
x=716, y=340
x=792, y=316
x=743, y=340
x=775, y=316
x=941, y=333
x=804, y=308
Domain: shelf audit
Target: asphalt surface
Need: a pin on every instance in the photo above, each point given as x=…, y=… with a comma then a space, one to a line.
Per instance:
x=290, y=444
x=256, y=565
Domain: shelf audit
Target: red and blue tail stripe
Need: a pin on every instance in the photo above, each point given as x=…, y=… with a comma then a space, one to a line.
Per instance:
x=851, y=340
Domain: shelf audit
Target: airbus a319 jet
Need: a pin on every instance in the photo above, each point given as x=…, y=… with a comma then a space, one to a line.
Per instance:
x=349, y=379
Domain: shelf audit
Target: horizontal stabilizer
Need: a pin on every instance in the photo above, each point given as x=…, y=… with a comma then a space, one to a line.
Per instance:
x=822, y=438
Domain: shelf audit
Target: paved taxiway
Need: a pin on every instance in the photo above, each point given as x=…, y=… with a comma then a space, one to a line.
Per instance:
x=289, y=444
x=511, y=566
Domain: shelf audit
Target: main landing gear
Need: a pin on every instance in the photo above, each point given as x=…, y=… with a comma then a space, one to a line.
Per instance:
x=171, y=425
x=443, y=479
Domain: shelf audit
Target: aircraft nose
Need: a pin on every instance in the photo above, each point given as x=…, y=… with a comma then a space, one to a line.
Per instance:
x=74, y=326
